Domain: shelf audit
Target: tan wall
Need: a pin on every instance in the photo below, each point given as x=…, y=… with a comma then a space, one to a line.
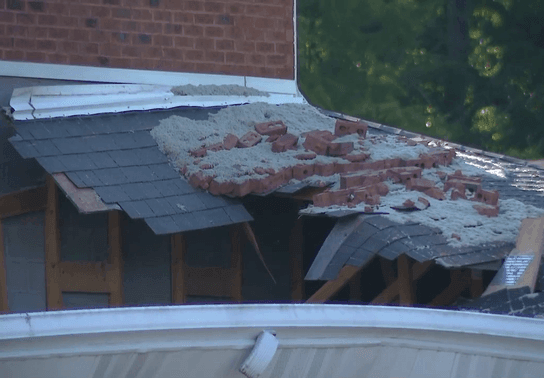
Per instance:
x=243, y=37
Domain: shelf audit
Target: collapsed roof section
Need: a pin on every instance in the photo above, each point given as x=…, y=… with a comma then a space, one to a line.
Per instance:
x=111, y=161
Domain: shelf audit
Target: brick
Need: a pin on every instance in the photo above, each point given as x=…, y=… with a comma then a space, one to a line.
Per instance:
x=318, y=141
x=424, y=201
x=244, y=188
x=489, y=197
x=273, y=181
x=490, y=211
x=200, y=152
x=456, y=194
x=302, y=171
x=456, y=236
x=403, y=174
x=213, y=31
x=461, y=184
x=306, y=156
x=339, y=148
x=324, y=169
x=230, y=141
x=284, y=143
x=287, y=173
x=458, y=175
x=392, y=163
x=250, y=139
x=271, y=128
x=224, y=44
x=408, y=203
x=354, y=158
x=435, y=193
x=441, y=175
x=343, y=127
x=200, y=180
x=272, y=138
x=221, y=188
x=215, y=147
x=419, y=184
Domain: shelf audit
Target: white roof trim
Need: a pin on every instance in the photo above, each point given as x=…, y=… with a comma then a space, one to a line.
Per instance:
x=130, y=76
x=129, y=319
x=88, y=99
x=118, y=330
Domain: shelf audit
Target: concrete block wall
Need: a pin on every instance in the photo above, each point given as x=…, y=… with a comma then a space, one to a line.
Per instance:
x=25, y=262
x=247, y=37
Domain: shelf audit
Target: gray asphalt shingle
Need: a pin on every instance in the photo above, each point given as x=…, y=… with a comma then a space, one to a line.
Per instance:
x=51, y=164
x=72, y=145
x=111, y=176
x=112, y=194
x=45, y=148
x=139, y=191
x=99, y=143
x=126, y=158
x=77, y=162
x=102, y=160
x=186, y=202
x=137, y=209
x=164, y=171
x=163, y=225
x=138, y=174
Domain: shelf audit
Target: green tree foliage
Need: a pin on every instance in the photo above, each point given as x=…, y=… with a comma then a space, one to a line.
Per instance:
x=461, y=70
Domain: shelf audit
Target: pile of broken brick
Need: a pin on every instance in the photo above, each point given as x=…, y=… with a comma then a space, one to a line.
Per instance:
x=361, y=181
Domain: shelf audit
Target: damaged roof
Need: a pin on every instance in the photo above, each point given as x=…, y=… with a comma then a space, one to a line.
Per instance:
x=116, y=157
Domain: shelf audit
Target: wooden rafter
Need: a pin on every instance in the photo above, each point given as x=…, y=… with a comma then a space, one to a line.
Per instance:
x=4, y=307
x=476, y=283
x=23, y=202
x=296, y=249
x=331, y=287
x=460, y=280
x=178, y=272
x=115, y=264
x=52, y=247
x=236, y=264
x=355, y=288
x=406, y=281
x=391, y=292
x=526, y=255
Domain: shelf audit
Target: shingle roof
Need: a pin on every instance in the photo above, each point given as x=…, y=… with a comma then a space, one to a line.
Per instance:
x=378, y=235
x=117, y=157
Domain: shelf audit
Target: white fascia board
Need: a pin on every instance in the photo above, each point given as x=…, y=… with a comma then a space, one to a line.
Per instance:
x=97, y=89
x=272, y=85
x=154, y=103
x=131, y=76
x=52, y=102
x=20, y=99
x=113, y=75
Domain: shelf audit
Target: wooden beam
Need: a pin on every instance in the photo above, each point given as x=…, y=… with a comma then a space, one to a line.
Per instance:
x=392, y=291
x=85, y=277
x=178, y=268
x=522, y=265
x=115, y=279
x=52, y=247
x=85, y=199
x=4, y=307
x=333, y=286
x=23, y=202
x=296, y=250
x=342, y=229
x=476, y=283
x=406, y=281
x=355, y=288
x=212, y=282
x=460, y=280
x=388, y=272
x=236, y=264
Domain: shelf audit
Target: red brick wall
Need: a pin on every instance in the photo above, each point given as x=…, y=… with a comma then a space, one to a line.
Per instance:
x=241, y=37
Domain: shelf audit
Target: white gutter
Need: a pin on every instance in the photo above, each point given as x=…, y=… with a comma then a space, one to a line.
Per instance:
x=133, y=319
